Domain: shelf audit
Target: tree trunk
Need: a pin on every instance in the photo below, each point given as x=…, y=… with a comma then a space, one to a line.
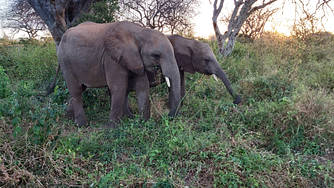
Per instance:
x=59, y=15
x=242, y=9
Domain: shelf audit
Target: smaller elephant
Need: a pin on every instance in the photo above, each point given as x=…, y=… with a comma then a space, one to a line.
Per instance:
x=195, y=56
x=192, y=56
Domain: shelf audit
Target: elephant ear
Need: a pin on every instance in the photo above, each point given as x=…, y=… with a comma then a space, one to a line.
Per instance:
x=121, y=51
x=183, y=53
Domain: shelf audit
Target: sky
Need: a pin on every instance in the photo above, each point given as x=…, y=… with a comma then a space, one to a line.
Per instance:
x=282, y=22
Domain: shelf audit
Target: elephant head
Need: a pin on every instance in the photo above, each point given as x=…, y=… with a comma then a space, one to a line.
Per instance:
x=155, y=50
x=195, y=56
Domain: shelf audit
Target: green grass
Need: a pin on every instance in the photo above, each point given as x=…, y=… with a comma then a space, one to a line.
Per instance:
x=281, y=136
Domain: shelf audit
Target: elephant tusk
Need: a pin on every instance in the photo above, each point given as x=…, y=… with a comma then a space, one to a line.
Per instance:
x=167, y=81
x=215, y=77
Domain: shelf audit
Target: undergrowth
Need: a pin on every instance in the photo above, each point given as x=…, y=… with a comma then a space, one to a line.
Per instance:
x=282, y=134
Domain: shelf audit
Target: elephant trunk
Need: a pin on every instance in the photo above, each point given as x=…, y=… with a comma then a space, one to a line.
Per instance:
x=171, y=71
x=221, y=74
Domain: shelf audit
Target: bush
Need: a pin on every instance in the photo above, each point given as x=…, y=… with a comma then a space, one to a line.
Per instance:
x=101, y=12
x=5, y=90
x=315, y=113
x=268, y=88
x=32, y=61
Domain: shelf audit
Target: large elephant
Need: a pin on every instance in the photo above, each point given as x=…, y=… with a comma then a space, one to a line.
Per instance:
x=99, y=55
x=193, y=56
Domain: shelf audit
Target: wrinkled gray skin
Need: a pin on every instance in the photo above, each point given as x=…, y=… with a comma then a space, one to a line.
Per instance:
x=194, y=56
x=99, y=55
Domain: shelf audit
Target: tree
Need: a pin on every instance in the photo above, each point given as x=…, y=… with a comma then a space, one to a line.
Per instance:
x=305, y=26
x=253, y=27
x=163, y=15
x=101, y=12
x=254, y=24
x=59, y=15
x=21, y=17
x=311, y=15
x=242, y=10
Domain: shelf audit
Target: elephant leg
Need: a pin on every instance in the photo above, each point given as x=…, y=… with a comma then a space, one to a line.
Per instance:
x=117, y=104
x=127, y=109
x=117, y=81
x=70, y=109
x=79, y=113
x=76, y=104
x=142, y=87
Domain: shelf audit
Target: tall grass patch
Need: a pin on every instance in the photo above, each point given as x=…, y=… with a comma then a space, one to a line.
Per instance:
x=31, y=60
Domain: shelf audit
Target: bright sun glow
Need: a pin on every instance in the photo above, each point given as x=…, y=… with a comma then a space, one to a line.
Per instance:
x=203, y=21
x=282, y=22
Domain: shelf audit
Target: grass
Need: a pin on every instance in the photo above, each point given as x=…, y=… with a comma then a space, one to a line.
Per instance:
x=281, y=136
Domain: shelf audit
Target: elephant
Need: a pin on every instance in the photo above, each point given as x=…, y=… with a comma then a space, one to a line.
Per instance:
x=193, y=56
x=98, y=55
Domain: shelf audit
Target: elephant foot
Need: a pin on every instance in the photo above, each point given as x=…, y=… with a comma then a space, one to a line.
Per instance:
x=146, y=117
x=129, y=114
x=69, y=114
x=237, y=100
x=172, y=113
x=70, y=110
x=169, y=104
x=81, y=121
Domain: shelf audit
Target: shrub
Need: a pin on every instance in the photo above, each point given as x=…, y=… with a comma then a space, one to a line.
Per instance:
x=315, y=113
x=5, y=90
x=101, y=12
x=33, y=61
x=266, y=88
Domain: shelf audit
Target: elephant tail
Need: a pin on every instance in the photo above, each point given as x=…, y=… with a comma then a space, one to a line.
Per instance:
x=50, y=89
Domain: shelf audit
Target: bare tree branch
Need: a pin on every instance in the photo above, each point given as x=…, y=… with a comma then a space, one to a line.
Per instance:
x=21, y=17
x=262, y=6
x=163, y=15
x=242, y=10
x=216, y=12
x=253, y=26
x=310, y=16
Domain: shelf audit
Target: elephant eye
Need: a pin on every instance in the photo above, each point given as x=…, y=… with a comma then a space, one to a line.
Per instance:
x=155, y=56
